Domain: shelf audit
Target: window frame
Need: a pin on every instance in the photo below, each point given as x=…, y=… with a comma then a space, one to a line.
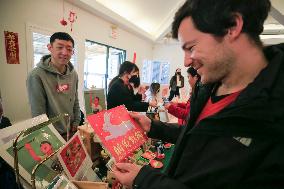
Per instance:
x=32, y=28
x=107, y=60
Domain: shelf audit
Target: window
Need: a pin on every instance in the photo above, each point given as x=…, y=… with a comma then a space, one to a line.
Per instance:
x=101, y=64
x=155, y=71
x=40, y=42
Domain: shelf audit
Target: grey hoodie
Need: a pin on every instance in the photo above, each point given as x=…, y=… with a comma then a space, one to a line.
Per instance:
x=53, y=93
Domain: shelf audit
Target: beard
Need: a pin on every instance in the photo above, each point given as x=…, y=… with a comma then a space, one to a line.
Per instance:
x=219, y=68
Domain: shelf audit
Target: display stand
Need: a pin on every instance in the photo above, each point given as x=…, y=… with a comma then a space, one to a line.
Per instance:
x=26, y=132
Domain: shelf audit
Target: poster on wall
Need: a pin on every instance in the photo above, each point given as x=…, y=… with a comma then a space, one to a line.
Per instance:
x=12, y=47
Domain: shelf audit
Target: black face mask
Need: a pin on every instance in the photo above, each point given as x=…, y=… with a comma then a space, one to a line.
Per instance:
x=178, y=73
x=135, y=80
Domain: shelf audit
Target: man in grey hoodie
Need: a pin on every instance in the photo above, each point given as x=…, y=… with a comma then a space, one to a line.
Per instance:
x=53, y=84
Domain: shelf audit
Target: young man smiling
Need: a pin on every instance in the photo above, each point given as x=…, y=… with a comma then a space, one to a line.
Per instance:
x=52, y=85
x=234, y=138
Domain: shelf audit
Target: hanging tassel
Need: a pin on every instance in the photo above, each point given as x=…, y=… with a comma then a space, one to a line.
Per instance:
x=63, y=22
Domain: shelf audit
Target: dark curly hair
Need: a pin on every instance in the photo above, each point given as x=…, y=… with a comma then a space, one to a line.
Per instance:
x=217, y=16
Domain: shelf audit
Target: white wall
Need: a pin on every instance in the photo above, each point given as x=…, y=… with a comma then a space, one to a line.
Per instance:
x=14, y=16
x=174, y=55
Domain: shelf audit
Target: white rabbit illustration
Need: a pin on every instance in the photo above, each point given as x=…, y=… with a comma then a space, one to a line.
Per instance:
x=116, y=130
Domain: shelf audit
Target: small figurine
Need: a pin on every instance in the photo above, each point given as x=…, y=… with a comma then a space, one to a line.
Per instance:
x=160, y=150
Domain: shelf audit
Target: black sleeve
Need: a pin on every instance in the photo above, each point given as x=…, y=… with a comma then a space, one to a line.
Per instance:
x=137, y=96
x=171, y=82
x=152, y=179
x=119, y=95
x=167, y=132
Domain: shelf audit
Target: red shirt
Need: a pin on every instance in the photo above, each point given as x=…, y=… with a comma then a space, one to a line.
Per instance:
x=213, y=108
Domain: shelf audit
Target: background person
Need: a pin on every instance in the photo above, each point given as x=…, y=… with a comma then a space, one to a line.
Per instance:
x=181, y=110
x=176, y=82
x=152, y=92
x=121, y=94
x=52, y=86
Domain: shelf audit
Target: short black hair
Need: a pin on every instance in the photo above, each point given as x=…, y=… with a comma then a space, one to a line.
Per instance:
x=61, y=36
x=217, y=16
x=45, y=142
x=191, y=71
x=127, y=67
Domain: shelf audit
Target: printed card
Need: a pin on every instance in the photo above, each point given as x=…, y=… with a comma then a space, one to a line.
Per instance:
x=75, y=160
x=118, y=132
x=32, y=149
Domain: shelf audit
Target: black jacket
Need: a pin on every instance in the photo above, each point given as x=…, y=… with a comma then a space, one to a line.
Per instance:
x=240, y=147
x=120, y=94
x=173, y=83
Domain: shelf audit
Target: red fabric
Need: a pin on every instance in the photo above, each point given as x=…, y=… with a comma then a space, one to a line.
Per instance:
x=211, y=108
x=180, y=110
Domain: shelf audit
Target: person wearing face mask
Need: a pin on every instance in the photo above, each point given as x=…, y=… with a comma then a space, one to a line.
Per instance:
x=137, y=90
x=176, y=82
x=120, y=92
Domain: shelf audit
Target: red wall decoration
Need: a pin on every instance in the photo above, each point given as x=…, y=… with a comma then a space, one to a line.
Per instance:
x=12, y=47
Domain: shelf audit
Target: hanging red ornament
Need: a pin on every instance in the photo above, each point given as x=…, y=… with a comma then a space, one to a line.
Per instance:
x=63, y=22
x=72, y=18
x=134, y=57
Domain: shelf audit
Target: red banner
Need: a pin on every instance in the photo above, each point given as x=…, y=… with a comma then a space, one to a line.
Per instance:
x=118, y=132
x=134, y=57
x=12, y=47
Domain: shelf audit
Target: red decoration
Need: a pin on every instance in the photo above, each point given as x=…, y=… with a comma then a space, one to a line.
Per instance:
x=118, y=132
x=73, y=156
x=149, y=155
x=156, y=164
x=12, y=47
x=63, y=22
x=72, y=18
x=134, y=57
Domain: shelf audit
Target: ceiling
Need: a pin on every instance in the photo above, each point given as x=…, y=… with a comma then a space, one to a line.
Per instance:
x=151, y=19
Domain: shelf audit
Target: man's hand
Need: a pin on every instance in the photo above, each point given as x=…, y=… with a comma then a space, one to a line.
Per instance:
x=143, y=121
x=126, y=173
